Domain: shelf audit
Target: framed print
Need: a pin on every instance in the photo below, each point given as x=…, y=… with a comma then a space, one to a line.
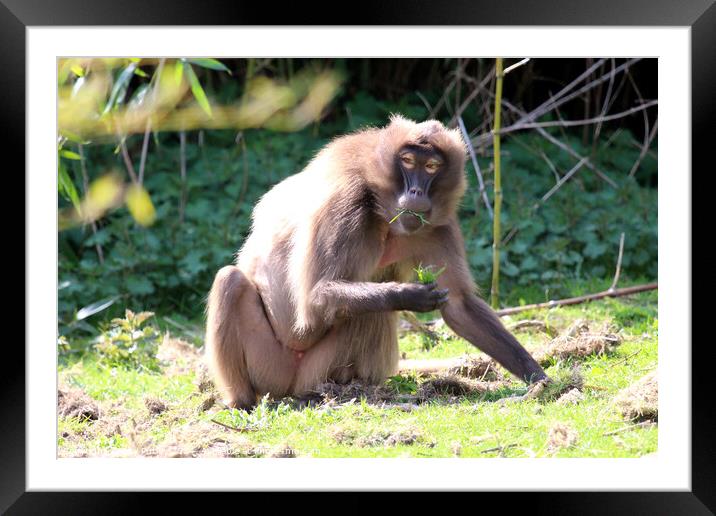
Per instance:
x=169, y=119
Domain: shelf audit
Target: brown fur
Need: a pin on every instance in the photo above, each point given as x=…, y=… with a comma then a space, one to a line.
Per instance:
x=315, y=289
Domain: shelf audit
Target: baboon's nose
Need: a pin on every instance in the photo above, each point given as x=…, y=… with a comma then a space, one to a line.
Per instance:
x=415, y=200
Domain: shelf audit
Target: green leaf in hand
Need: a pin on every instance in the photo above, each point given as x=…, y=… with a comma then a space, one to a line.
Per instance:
x=427, y=274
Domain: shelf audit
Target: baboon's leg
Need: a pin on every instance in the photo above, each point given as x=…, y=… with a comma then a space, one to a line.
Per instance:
x=319, y=363
x=243, y=354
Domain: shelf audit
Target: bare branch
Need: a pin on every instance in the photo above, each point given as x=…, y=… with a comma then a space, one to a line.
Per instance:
x=547, y=105
x=148, y=127
x=565, y=147
x=558, y=99
x=145, y=148
x=555, y=141
x=445, y=95
x=587, y=121
x=128, y=160
x=474, y=93
x=550, y=165
x=475, y=164
x=619, y=264
x=644, y=149
x=564, y=179
x=647, y=132
x=424, y=101
x=182, y=171
x=581, y=299
x=85, y=187
x=606, y=103
x=571, y=152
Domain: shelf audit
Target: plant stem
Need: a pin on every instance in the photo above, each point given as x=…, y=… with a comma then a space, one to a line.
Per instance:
x=85, y=188
x=496, y=237
x=182, y=171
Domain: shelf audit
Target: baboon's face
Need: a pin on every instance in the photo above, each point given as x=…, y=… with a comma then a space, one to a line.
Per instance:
x=416, y=169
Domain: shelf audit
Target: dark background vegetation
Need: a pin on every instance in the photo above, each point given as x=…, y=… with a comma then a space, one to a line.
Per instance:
x=572, y=237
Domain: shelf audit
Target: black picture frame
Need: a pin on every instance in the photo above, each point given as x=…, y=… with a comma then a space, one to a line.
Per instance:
x=700, y=15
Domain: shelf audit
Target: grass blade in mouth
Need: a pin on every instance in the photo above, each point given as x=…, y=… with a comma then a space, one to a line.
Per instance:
x=401, y=211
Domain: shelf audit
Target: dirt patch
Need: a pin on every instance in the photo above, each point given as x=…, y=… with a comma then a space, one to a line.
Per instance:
x=202, y=439
x=532, y=325
x=454, y=385
x=178, y=357
x=571, y=397
x=451, y=384
x=206, y=403
x=155, y=405
x=342, y=393
x=407, y=435
x=456, y=448
x=477, y=368
x=560, y=436
x=75, y=403
x=640, y=401
x=203, y=379
x=282, y=451
x=578, y=341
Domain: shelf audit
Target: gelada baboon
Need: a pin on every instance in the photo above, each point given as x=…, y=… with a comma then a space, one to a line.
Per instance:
x=317, y=285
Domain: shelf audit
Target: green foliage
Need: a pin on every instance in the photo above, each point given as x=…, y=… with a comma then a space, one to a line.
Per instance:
x=404, y=384
x=128, y=343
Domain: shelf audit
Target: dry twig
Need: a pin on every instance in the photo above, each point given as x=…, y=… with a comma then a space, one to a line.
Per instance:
x=580, y=299
x=478, y=172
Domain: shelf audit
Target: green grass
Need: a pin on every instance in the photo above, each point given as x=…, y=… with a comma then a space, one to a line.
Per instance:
x=427, y=274
x=481, y=425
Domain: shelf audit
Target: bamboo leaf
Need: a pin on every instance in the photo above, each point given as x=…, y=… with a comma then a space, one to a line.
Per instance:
x=73, y=137
x=138, y=97
x=197, y=90
x=119, y=90
x=178, y=70
x=70, y=155
x=67, y=187
x=213, y=64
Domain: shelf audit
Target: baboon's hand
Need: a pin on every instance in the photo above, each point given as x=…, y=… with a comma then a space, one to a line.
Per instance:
x=417, y=297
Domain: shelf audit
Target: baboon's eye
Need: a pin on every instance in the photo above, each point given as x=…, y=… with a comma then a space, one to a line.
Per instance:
x=408, y=160
x=432, y=166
